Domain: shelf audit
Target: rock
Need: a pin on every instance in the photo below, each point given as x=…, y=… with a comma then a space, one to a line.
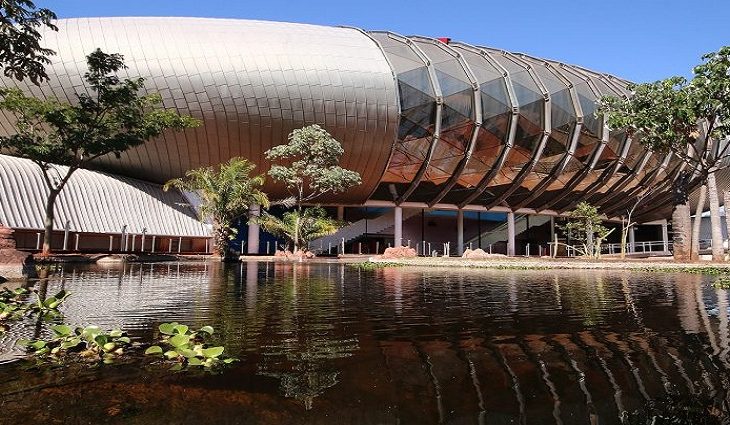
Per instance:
x=399, y=252
x=297, y=255
x=14, y=264
x=480, y=254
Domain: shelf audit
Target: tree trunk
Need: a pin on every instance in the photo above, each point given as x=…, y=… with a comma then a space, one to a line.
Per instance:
x=48, y=222
x=681, y=226
x=697, y=224
x=726, y=204
x=718, y=250
x=221, y=238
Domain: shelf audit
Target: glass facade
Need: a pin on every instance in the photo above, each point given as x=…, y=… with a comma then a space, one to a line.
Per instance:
x=485, y=127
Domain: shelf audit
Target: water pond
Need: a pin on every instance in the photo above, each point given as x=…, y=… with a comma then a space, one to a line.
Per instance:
x=328, y=343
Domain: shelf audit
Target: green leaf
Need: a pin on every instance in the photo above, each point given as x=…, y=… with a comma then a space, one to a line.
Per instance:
x=101, y=340
x=188, y=353
x=123, y=340
x=155, y=349
x=213, y=352
x=62, y=330
x=207, y=329
x=37, y=344
x=168, y=328
x=176, y=367
x=181, y=329
x=70, y=343
x=178, y=341
x=49, y=301
x=23, y=342
x=195, y=362
x=116, y=333
x=171, y=354
x=230, y=360
x=109, y=346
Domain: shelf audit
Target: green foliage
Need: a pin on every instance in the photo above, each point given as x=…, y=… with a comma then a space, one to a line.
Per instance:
x=21, y=55
x=584, y=226
x=185, y=348
x=226, y=193
x=664, y=115
x=111, y=119
x=372, y=265
x=311, y=168
x=722, y=282
x=300, y=228
x=14, y=304
x=88, y=343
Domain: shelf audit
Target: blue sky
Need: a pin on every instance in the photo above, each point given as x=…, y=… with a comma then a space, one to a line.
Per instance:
x=641, y=40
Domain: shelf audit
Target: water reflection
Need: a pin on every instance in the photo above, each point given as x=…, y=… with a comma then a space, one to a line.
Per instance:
x=400, y=345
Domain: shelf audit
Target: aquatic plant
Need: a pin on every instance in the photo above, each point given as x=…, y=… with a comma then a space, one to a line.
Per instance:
x=371, y=265
x=722, y=282
x=14, y=304
x=47, y=308
x=89, y=343
x=186, y=348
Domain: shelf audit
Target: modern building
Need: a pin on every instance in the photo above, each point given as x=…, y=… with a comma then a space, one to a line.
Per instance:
x=437, y=129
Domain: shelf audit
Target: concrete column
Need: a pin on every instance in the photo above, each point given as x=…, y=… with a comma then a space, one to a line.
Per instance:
x=253, y=230
x=552, y=229
x=460, y=232
x=665, y=235
x=510, y=234
x=398, y=233
x=632, y=239
x=341, y=213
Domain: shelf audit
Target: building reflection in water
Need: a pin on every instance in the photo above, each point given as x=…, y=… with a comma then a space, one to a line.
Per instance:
x=436, y=345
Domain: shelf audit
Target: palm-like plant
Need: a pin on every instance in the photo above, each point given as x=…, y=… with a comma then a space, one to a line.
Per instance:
x=300, y=228
x=226, y=193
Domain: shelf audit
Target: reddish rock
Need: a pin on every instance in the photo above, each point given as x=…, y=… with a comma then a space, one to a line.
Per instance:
x=14, y=264
x=399, y=252
x=297, y=255
x=480, y=254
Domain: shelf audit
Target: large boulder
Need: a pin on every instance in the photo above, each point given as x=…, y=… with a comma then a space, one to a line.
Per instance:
x=479, y=254
x=14, y=264
x=399, y=252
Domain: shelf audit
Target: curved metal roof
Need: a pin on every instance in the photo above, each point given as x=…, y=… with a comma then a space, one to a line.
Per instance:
x=93, y=202
x=422, y=120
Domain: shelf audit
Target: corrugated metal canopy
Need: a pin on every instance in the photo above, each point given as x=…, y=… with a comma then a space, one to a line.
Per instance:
x=94, y=202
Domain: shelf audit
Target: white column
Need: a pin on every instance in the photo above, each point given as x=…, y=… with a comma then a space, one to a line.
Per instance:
x=510, y=234
x=253, y=230
x=460, y=232
x=665, y=235
x=341, y=213
x=398, y=234
x=632, y=239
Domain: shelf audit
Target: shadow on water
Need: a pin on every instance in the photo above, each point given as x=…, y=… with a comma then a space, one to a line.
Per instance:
x=327, y=343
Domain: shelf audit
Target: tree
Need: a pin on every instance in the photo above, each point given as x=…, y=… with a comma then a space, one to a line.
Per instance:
x=300, y=227
x=584, y=226
x=114, y=118
x=691, y=120
x=21, y=54
x=627, y=224
x=312, y=156
x=226, y=193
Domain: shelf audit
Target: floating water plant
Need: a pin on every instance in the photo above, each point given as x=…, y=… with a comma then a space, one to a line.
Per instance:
x=89, y=343
x=185, y=348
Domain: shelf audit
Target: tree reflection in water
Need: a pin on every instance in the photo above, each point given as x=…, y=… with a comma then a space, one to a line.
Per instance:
x=305, y=339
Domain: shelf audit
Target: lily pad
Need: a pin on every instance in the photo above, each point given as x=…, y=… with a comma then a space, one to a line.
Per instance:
x=213, y=352
x=155, y=349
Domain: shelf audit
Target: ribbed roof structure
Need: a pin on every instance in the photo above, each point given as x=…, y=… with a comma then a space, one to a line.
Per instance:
x=93, y=202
